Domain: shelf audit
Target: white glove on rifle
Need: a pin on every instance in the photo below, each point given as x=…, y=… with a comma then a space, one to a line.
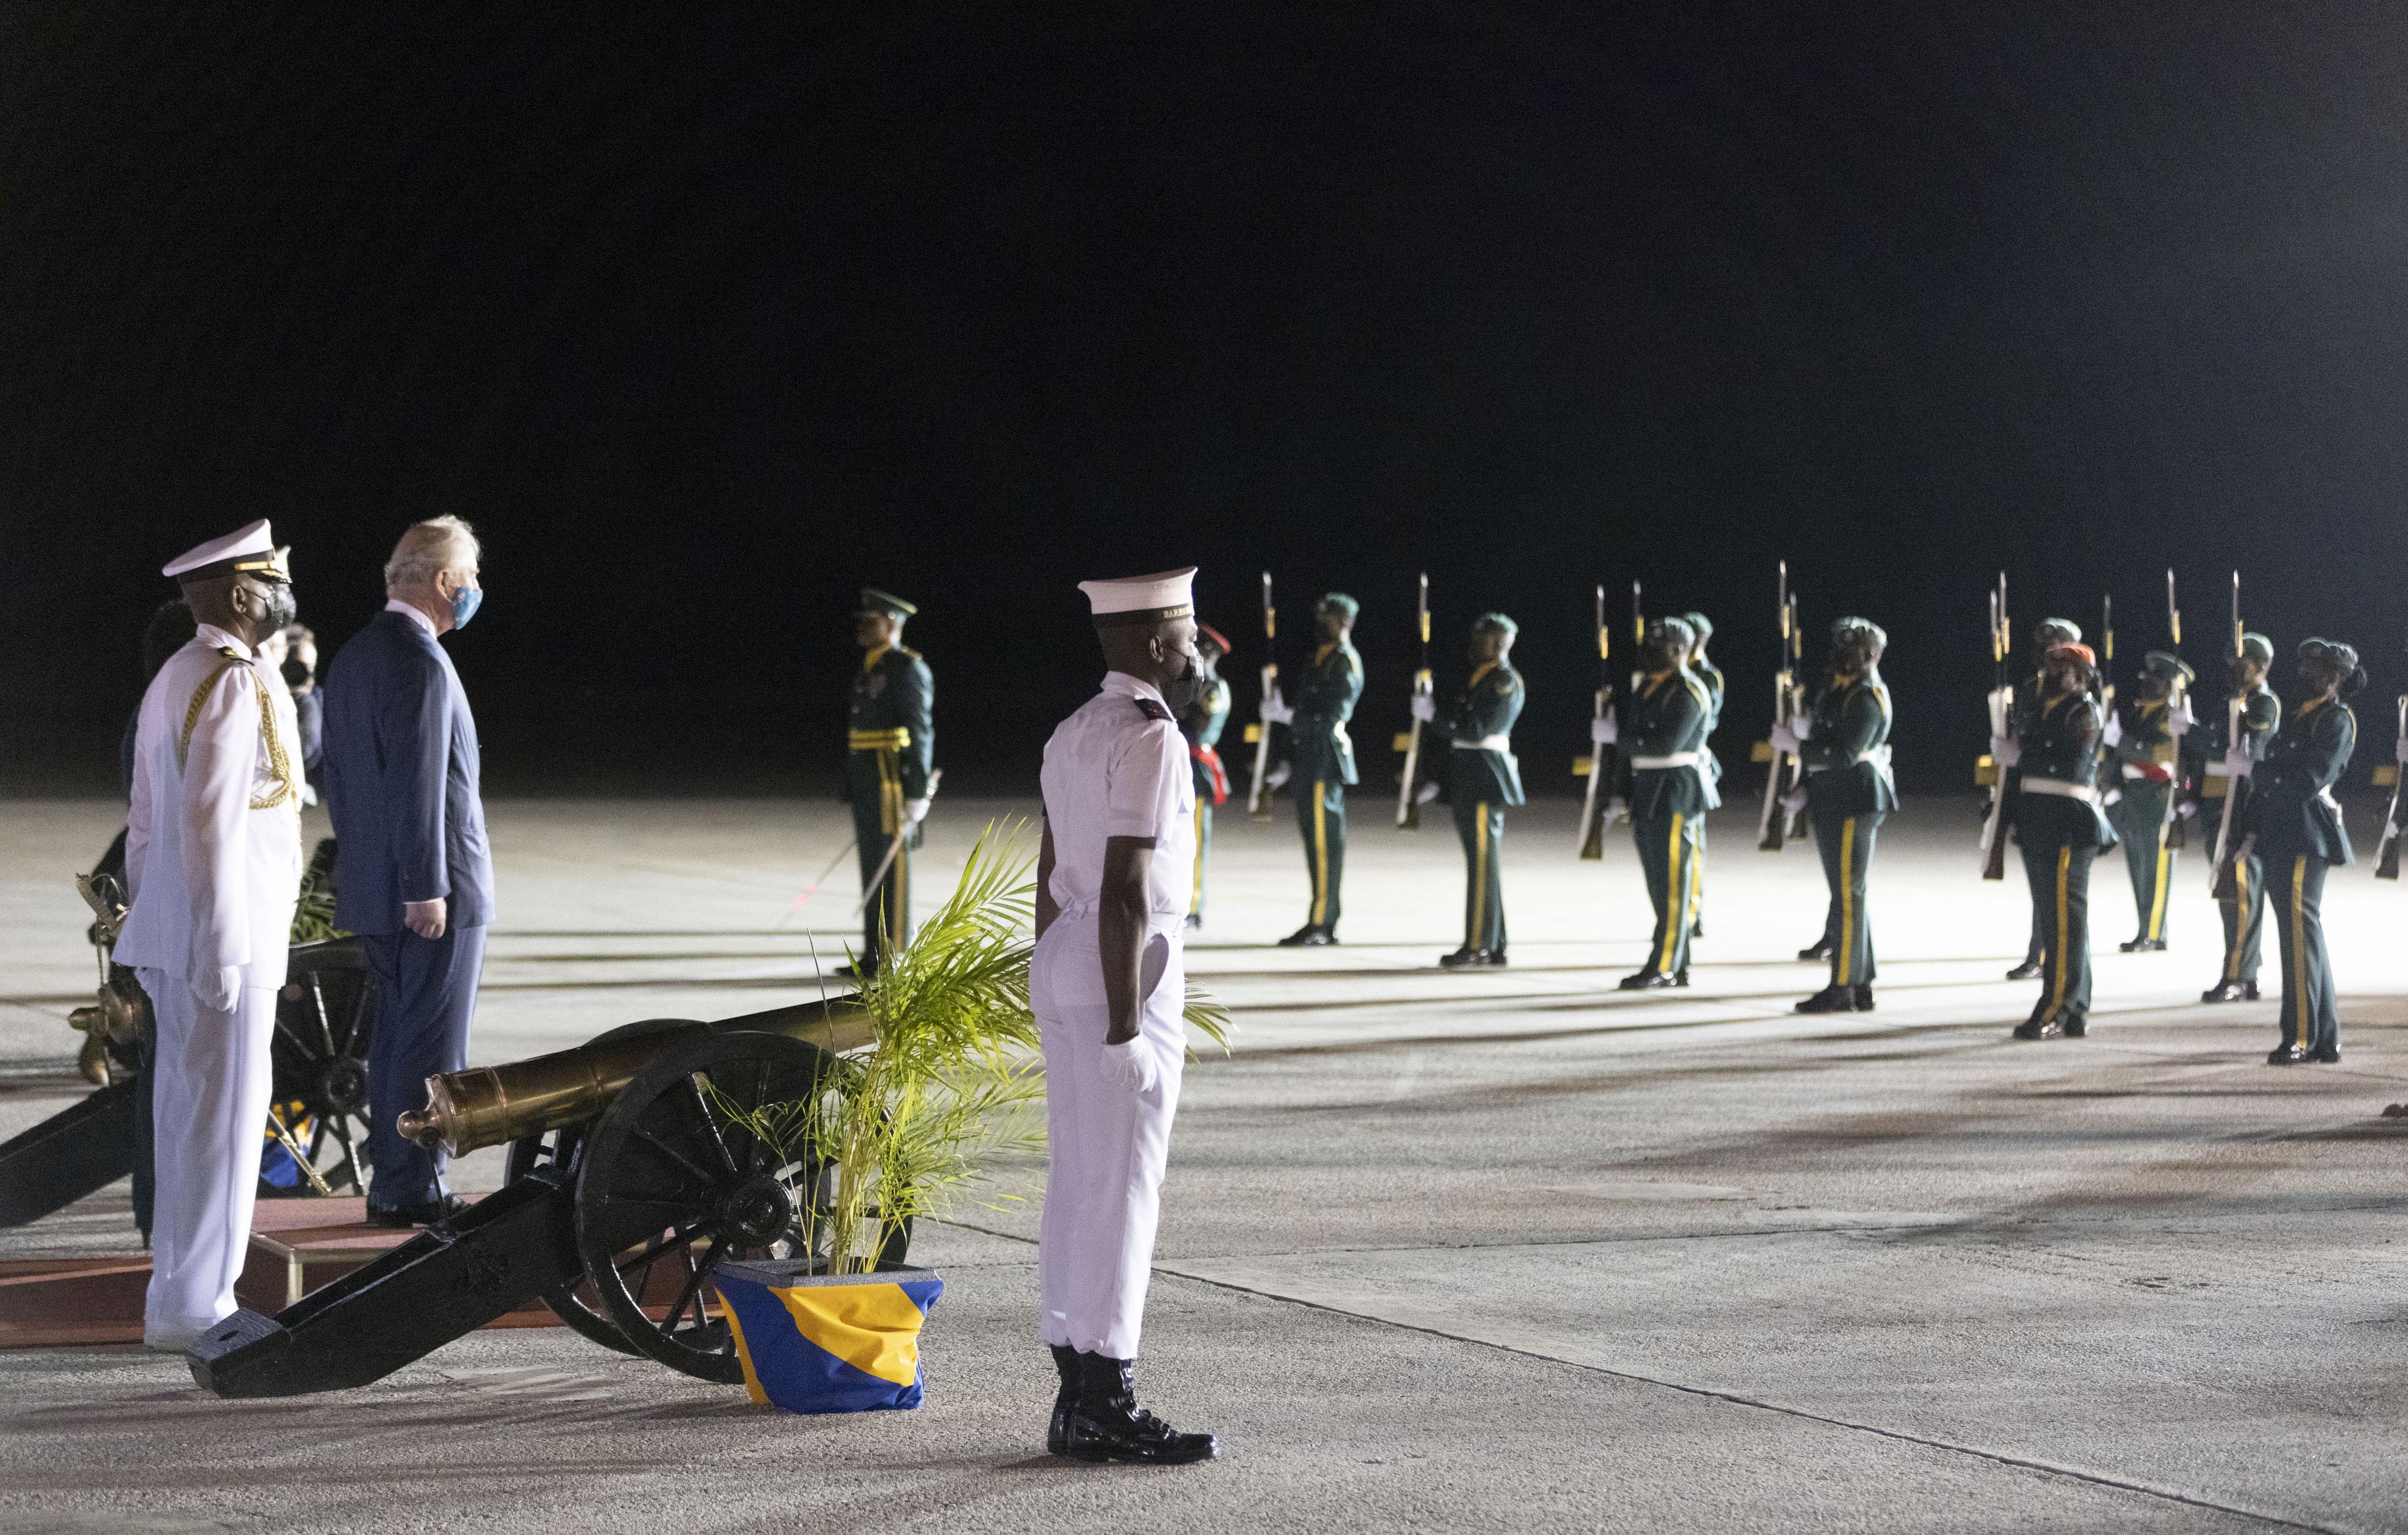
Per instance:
x=1605, y=731
x=2400, y=752
x=1425, y=708
x=2114, y=796
x=1131, y=1064
x=2179, y=720
x=2115, y=729
x=2186, y=809
x=2237, y=763
x=216, y=989
x=1427, y=793
x=1614, y=810
x=914, y=812
x=1277, y=776
x=1795, y=801
x=2004, y=752
x=1275, y=709
x=1784, y=739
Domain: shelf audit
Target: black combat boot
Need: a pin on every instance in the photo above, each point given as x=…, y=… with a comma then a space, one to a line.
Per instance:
x=1864, y=997
x=1310, y=935
x=1832, y=999
x=2041, y=1025
x=1107, y=1424
x=2287, y=1055
x=2231, y=991
x=2028, y=971
x=1057, y=1432
x=1466, y=958
x=2076, y=1025
x=1651, y=980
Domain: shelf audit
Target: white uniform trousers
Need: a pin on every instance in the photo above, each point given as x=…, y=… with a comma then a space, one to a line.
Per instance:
x=208, y=1095
x=1107, y=1144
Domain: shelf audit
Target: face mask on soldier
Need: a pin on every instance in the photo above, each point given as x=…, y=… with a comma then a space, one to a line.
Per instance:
x=1183, y=691
x=281, y=610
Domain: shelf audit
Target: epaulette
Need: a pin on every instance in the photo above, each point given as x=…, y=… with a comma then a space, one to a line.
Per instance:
x=1152, y=710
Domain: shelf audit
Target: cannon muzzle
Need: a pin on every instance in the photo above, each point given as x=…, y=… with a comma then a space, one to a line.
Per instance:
x=466, y=1111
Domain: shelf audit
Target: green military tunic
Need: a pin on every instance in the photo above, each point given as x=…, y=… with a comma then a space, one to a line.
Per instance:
x=1321, y=762
x=1849, y=793
x=2145, y=772
x=1660, y=775
x=891, y=747
x=1482, y=779
x=2061, y=831
x=2299, y=833
x=2242, y=903
x=1202, y=726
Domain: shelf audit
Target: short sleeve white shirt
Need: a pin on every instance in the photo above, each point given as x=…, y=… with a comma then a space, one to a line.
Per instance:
x=1119, y=768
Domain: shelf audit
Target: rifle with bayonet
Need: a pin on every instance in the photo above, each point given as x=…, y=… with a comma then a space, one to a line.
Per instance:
x=1258, y=805
x=2003, y=725
x=2236, y=715
x=2386, y=866
x=1409, y=808
x=2177, y=704
x=1772, y=822
x=1600, y=755
x=1798, y=710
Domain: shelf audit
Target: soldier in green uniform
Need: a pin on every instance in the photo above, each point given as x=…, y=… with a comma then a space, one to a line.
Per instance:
x=2061, y=829
x=891, y=746
x=1321, y=759
x=2223, y=764
x=2046, y=635
x=1711, y=675
x=1202, y=726
x=1661, y=783
x=2296, y=829
x=2144, y=742
x=1481, y=779
x=1844, y=747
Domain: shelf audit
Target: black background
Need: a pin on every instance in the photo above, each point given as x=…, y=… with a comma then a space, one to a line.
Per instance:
x=706, y=319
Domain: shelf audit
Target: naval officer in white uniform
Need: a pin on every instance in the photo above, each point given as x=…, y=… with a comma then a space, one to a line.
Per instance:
x=1113, y=881
x=213, y=862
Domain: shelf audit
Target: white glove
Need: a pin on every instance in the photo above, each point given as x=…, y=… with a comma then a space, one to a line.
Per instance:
x=2114, y=796
x=216, y=989
x=2186, y=809
x=1277, y=776
x=915, y=811
x=1795, y=801
x=1784, y=739
x=2400, y=752
x=2115, y=729
x=1132, y=1064
x=2181, y=720
x=1275, y=709
x=1605, y=731
x=2237, y=763
x=1425, y=708
x=2004, y=752
x=1614, y=810
x=1425, y=794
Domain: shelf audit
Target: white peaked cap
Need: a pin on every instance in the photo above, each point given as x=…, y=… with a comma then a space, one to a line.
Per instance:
x=244, y=543
x=1170, y=595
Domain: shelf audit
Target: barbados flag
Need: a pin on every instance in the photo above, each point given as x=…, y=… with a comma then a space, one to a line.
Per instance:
x=828, y=1342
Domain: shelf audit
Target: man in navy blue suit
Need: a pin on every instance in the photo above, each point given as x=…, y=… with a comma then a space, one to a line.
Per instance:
x=417, y=879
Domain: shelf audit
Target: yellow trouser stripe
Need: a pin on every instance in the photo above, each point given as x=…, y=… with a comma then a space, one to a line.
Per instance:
x=2064, y=926
x=1676, y=906
x=1479, y=877
x=1320, y=851
x=2157, y=903
x=1847, y=897
x=2300, y=946
x=898, y=899
x=1196, y=902
x=2240, y=920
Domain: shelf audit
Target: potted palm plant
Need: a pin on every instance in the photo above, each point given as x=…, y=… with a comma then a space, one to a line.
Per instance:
x=950, y=1085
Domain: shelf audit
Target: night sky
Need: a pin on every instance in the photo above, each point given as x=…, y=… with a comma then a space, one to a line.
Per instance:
x=706, y=323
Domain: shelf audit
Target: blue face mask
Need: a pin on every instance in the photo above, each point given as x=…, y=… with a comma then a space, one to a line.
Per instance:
x=464, y=605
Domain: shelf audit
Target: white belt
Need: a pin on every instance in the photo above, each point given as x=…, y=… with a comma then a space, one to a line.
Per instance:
x=1486, y=743
x=2062, y=790
x=1659, y=764
x=1089, y=911
x=2134, y=770
x=1877, y=756
x=2217, y=769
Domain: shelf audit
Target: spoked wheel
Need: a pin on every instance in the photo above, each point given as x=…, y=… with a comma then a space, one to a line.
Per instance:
x=324, y=1017
x=575, y=1302
x=671, y=1183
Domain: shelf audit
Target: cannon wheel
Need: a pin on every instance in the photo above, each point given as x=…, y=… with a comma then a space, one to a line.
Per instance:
x=575, y=1302
x=324, y=1019
x=664, y=1177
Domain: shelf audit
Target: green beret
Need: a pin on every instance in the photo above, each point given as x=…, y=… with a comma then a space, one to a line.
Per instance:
x=2164, y=663
x=1495, y=623
x=1703, y=625
x=1341, y=605
x=1863, y=631
x=2065, y=630
x=875, y=601
x=2258, y=648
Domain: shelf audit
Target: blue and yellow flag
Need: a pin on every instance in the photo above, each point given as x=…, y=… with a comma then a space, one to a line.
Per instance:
x=828, y=1343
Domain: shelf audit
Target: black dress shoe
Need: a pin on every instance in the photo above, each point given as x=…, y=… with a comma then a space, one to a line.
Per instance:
x=1309, y=936
x=401, y=1216
x=1832, y=999
x=1863, y=999
x=2077, y=1026
x=2224, y=991
x=2143, y=945
x=1057, y=1432
x=1194, y=920
x=2028, y=971
x=1107, y=1424
x=2287, y=1055
x=1652, y=980
x=1698, y=929
x=1469, y=958
x=2037, y=1029
x=1820, y=952
x=2329, y=1055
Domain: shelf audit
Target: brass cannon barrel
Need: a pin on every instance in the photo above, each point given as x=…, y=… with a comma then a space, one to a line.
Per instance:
x=466, y=1111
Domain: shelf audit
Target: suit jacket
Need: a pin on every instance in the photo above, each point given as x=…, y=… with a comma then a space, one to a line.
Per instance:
x=402, y=781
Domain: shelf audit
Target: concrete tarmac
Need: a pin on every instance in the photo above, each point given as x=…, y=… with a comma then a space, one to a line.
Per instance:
x=1501, y=1250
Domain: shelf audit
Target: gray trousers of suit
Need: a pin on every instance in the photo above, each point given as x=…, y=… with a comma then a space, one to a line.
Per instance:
x=427, y=994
